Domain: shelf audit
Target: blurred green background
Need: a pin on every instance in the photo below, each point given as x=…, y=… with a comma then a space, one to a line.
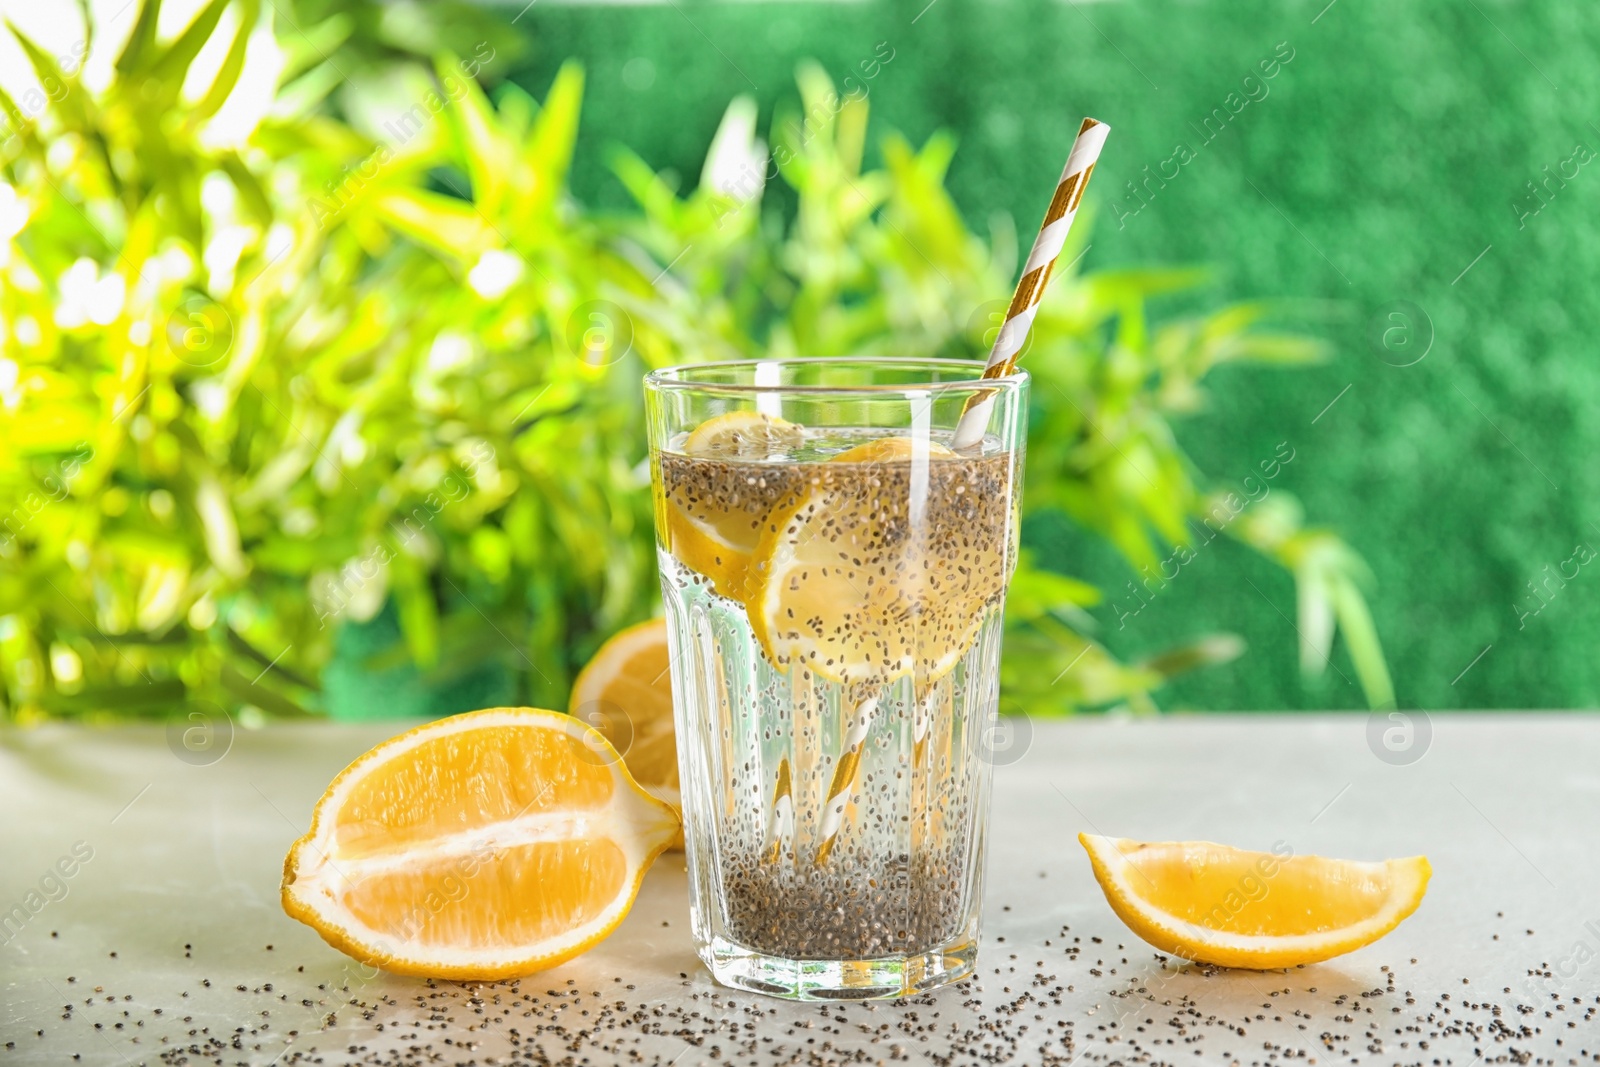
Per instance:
x=407, y=307
x=1385, y=157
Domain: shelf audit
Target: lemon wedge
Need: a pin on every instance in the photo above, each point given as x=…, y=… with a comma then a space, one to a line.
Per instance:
x=1256, y=910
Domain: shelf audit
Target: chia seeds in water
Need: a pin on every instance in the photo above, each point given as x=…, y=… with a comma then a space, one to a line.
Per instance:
x=877, y=589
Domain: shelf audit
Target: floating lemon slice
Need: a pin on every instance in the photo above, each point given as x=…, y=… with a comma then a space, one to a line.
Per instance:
x=743, y=435
x=865, y=576
x=1256, y=910
x=712, y=528
x=625, y=692
x=478, y=847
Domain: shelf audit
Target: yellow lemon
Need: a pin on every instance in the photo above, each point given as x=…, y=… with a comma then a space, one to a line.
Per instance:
x=1257, y=910
x=712, y=525
x=482, y=846
x=885, y=563
x=625, y=692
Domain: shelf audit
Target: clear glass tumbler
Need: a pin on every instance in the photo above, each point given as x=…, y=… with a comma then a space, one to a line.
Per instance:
x=834, y=572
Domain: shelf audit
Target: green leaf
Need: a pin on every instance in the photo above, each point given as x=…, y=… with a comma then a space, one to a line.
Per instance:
x=141, y=40
x=227, y=78
x=299, y=98
x=1315, y=608
x=135, y=699
x=1273, y=348
x=451, y=227
x=419, y=611
x=489, y=160
x=276, y=667
x=19, y=123
x=306, y=47
x=247, y=691
x=173, y=64
x=1210, y=651
x=1366, y=651
x=73, y=103
x=548, y=153
x=1035, y=592
x=292, y=556
x=255, y=198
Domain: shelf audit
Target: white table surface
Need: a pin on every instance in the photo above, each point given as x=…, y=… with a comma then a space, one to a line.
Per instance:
x=170, y=946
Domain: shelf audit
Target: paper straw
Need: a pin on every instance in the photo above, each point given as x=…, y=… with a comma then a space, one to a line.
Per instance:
x=919, y=728
x=1035, y=276
x=844, y=778
x=970, y=430
x=782, y=824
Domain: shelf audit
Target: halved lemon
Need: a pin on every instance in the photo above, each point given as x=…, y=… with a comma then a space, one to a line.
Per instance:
x=1256, y=910
x=712, y=528
x=625, y=692
x=867, y=575
x=483, y=846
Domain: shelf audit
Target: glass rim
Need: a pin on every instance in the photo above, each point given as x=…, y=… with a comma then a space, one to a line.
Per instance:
x=683, y=376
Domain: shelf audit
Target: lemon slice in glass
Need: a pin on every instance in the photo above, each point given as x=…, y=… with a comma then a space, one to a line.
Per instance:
x=885, y=563
x=713, y=519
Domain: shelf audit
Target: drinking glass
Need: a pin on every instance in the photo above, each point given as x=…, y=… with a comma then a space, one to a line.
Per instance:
x=834, y=573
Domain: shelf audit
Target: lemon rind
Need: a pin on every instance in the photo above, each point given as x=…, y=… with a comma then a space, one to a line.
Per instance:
x=308, y=886
x=1409, y=881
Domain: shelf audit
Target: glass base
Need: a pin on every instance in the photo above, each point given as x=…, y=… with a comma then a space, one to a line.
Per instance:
x=880, y=979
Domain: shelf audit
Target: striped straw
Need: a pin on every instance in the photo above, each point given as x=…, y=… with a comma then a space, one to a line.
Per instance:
x=919, y=726
x=1035, y=276
x=782, y=824
x=844, y=777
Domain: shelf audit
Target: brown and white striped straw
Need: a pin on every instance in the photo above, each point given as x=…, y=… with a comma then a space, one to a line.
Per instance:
x=781, y=825
x=1035, y=276
x=969, y=431
x=844, y=777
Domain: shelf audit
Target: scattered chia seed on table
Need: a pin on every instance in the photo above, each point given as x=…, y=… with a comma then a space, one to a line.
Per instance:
x=1139, y=1007
x=185, y=900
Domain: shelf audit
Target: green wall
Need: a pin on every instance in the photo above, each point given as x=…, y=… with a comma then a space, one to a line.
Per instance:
x=1385, y=156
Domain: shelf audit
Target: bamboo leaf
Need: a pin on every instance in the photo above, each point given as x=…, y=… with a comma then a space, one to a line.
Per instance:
x=238, y=644
x=487, y=157
x=302, y=96
x=1210, y=651
x=449, y=226
x=172, y=65
x=1272, y=348
x=20, y=123
x=1366, y=651
x=1034, y=592
x=1315, y=609
x=251, y=192
x=419, y=612
x=310, y=46
x=548, y=153
x=142, y=40
x=227, y=78
x=73, y=103
x=249, y=692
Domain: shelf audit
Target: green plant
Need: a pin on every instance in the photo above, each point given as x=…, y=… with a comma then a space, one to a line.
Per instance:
x=880, y=261
x=276, y=383
x=255, y=391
